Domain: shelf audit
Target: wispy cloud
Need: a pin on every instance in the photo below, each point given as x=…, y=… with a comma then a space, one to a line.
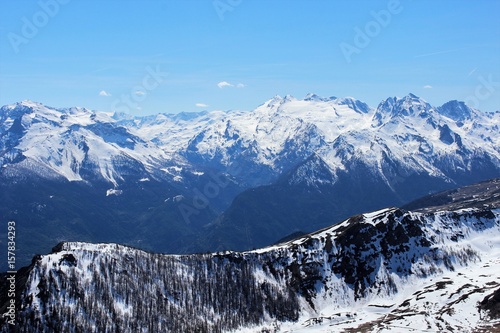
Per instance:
x=224, y=84
x=104, y=93
x=472, y=72
x=447, y=51
x=201, y=105
x=427, y=87
x=140, y=93
x=102, y=69
x=472, y=47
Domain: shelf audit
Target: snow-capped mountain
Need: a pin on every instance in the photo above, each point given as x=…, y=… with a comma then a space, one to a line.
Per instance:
x=403, y=149
x=261, y=144
x=289, y=165
x=75, y=174
x=414, y=135
x=375, y=272
x=76, y=144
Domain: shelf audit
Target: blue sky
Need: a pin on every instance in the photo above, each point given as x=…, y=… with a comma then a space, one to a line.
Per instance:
x=145, y=57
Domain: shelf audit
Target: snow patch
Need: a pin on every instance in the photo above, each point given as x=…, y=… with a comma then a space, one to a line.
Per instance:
x=115, y=192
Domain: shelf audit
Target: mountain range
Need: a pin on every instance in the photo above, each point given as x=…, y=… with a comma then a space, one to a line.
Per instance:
x=229, y=180
x=434, y=269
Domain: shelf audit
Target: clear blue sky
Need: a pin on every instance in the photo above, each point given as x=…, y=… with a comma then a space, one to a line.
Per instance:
x=154, y=56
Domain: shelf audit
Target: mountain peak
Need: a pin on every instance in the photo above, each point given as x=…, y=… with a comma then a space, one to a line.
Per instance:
x=29, y=103
x=412, y=99
x=313, y=97
x=417, y=100
x=456, y=110
x=276, y=100
x=122, y=116
x=393, y=107
x=356, y=105
x=26, y=104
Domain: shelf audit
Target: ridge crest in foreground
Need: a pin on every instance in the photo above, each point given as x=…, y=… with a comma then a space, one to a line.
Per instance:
x=372, y=272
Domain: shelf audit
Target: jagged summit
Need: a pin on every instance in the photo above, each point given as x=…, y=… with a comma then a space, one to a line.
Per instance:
x=354, y=104
x=408, y=106
x=456, y=110
x=26, y=103
x=314, y=97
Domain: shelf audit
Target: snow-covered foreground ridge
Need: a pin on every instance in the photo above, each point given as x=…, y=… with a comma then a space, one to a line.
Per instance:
x=374, y=272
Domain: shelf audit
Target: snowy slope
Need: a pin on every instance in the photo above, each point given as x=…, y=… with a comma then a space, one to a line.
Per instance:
x=379, y=271
x=434, y=287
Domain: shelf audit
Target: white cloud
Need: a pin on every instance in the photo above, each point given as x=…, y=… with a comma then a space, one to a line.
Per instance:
x=104, y=93
x=140, y=93
x=427, y=87
x=223, y=84
x=201, y=105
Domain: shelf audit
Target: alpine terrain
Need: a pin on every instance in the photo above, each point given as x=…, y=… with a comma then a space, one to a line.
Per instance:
x=432, y=269
x=229, y=180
